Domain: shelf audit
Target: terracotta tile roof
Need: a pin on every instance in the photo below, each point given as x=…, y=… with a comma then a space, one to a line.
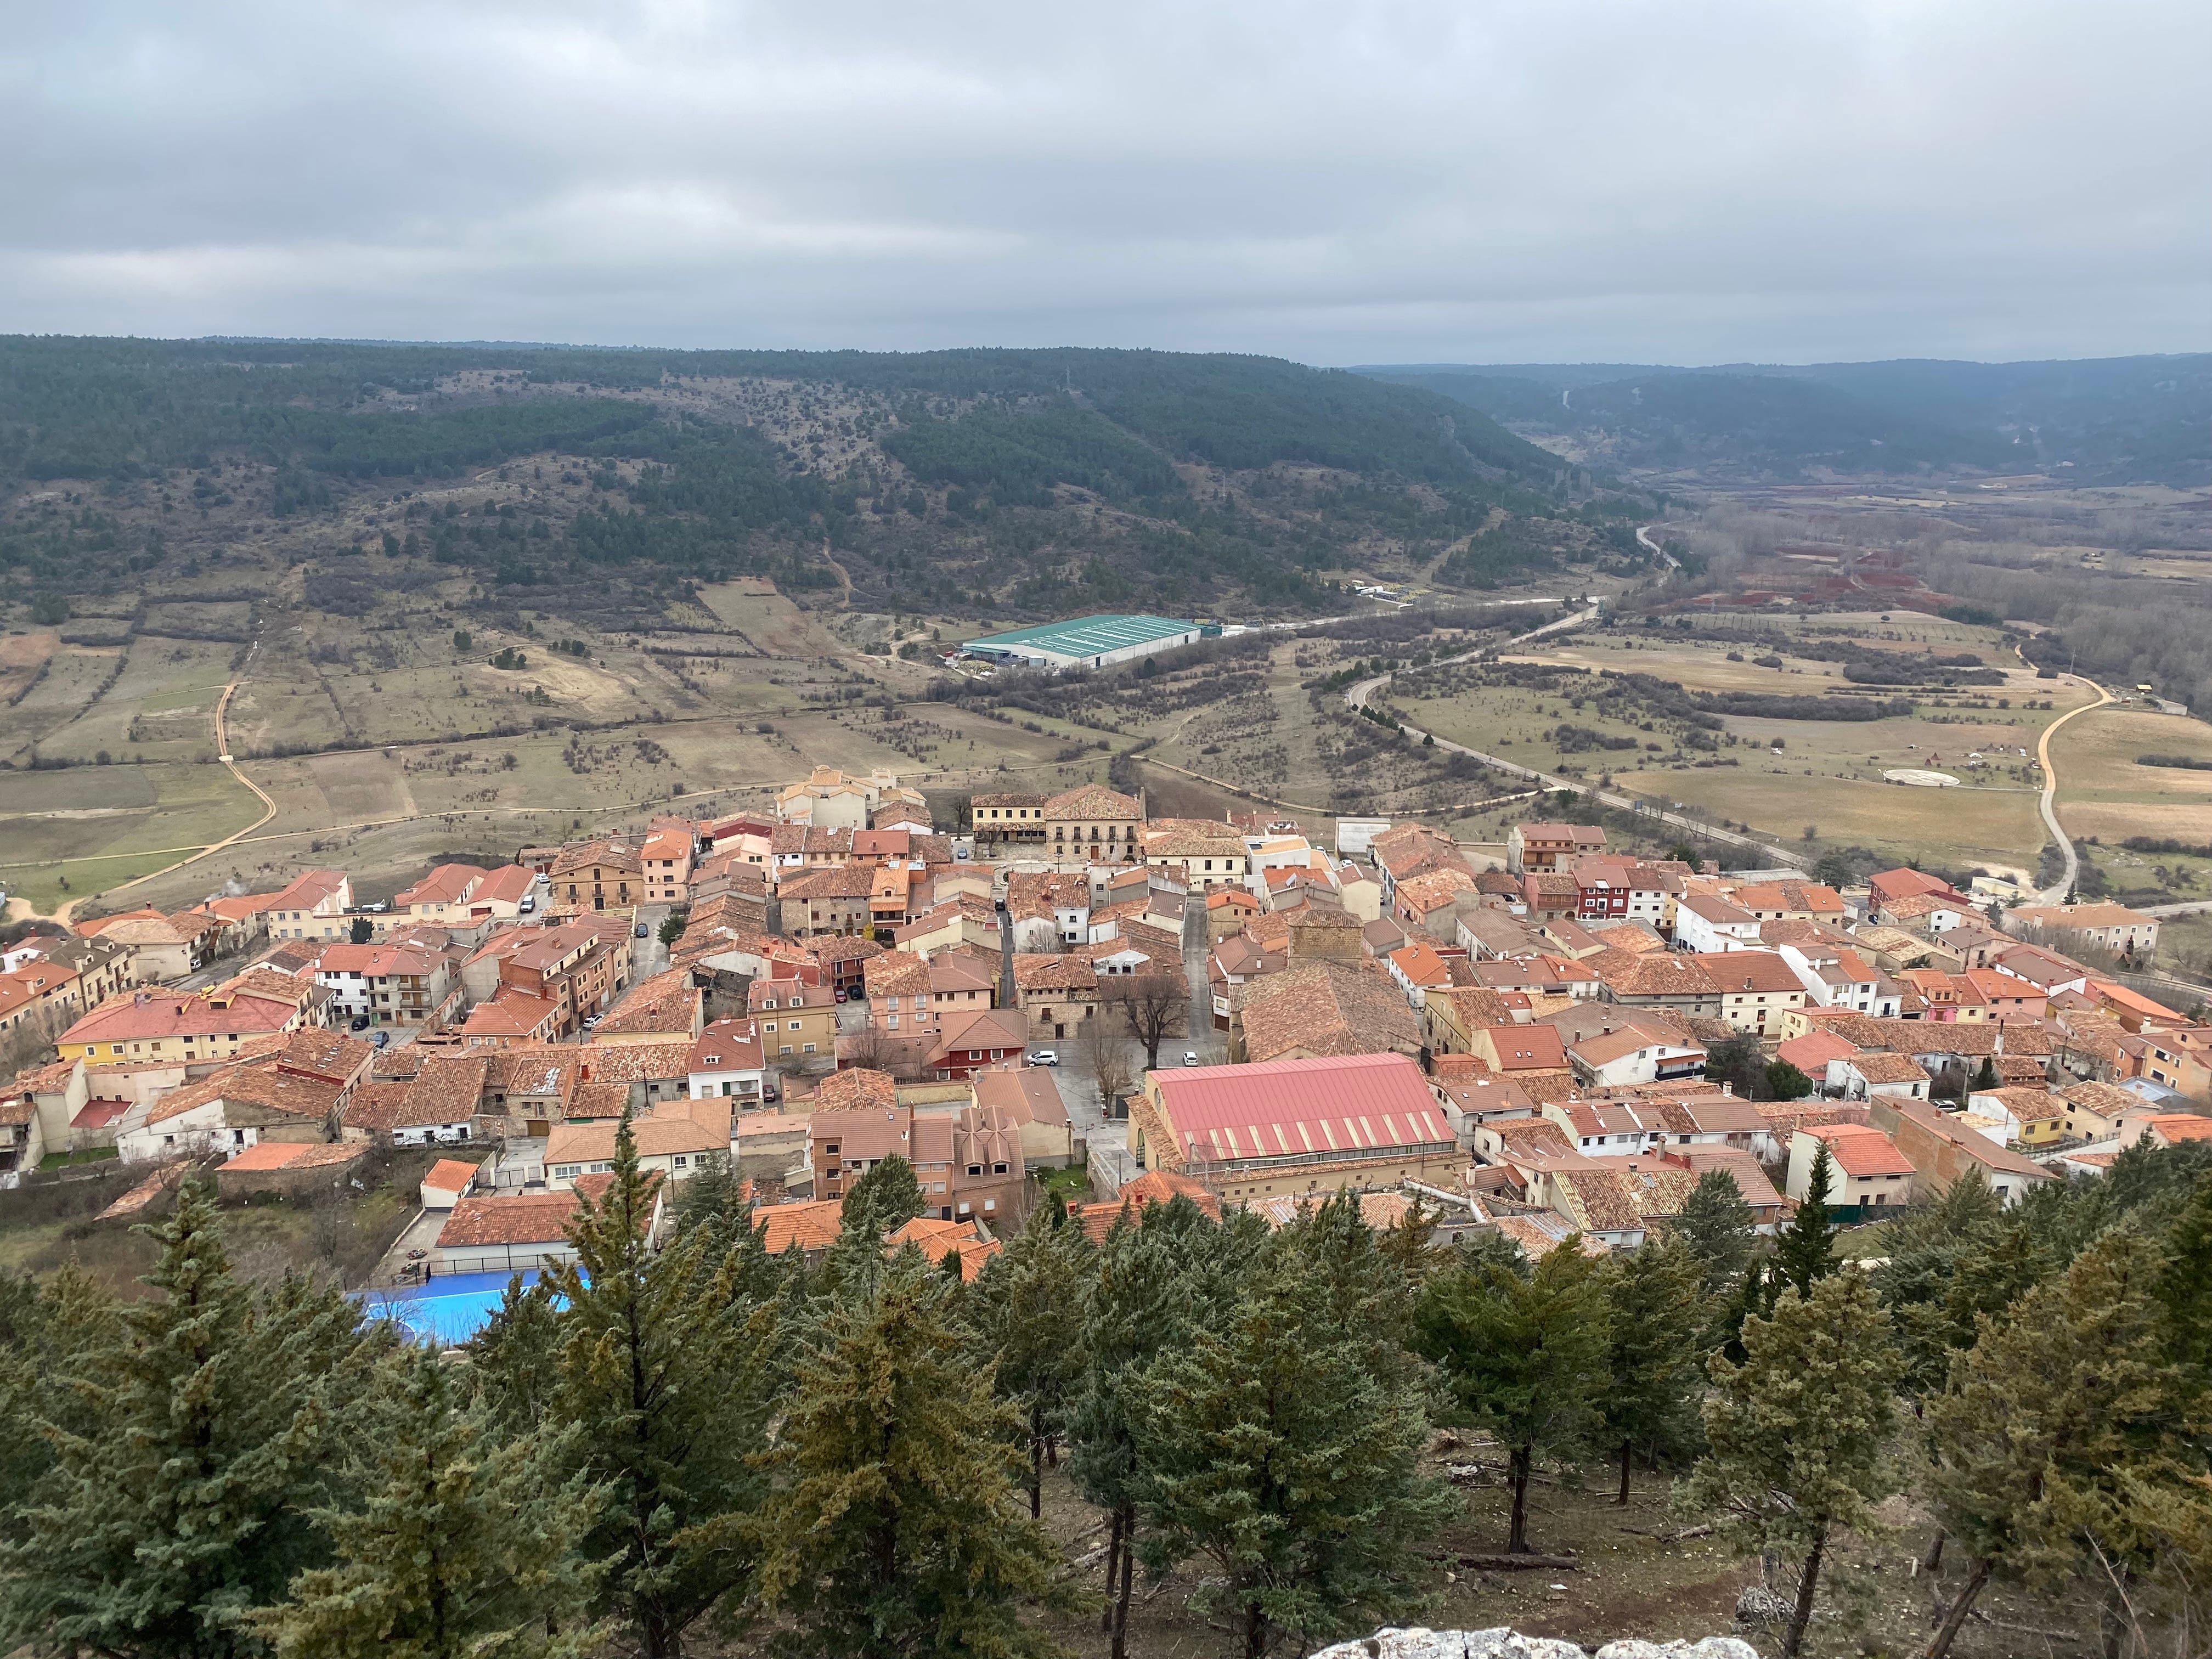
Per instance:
x=1532, y=1047
x=1153, y=1186
x=1538, y=1236
x=633, y=1062
x=260, y=1083
x=807, y=1226
x=1859, y=1149
x=1534, y=1134
x=294, y=1155
x=1623, y=1199
x=727, y=1045
x=845, y=882
x=1888, y=1068
x=1092, y=800
x=938, y=1239
x=1671, y=975
x=658, y=1136
x=856, y=1089
x=1326, y=1007
x=507, y=1218
x=667, y=1003
x=1043, y=972
x=1739, y=971
x=450, y=1175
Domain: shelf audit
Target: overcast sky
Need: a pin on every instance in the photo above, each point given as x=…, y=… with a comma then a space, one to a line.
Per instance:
x=1462, y=181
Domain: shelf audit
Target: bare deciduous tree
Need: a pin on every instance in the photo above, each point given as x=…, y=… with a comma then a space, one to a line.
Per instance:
x=1155, y=1006
x=1108, y=1063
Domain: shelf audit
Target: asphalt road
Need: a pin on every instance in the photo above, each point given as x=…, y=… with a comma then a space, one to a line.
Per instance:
x=1358, y=695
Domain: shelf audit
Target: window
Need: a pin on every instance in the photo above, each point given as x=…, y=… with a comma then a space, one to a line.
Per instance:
x=975, y=1169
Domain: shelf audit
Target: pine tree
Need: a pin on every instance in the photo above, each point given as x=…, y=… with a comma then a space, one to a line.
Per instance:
x=1753, y=1297
x=187, y=1458
x=1027, y=1310
x=713, y=1196
x=1277, y=1447
x=1917, y=1281
x=1785, y=1082
x=1656, y=1323
x=514, y=1357
x=1717, y=1228
x=1798, y=1431
x=2061, y=1453
x=884, y=1200
x=1526, y=1357
x=893, y=1528
x=667, y=1373
x=1805, y=1254
x=1141, y=1298
x=463, y=1540
x=47, y=1333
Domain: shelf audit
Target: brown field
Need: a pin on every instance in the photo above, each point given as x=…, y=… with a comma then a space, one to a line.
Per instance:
x=1948, y=826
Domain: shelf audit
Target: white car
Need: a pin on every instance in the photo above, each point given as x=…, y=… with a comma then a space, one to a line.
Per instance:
x=1190, y=1057
x=1044, y=1057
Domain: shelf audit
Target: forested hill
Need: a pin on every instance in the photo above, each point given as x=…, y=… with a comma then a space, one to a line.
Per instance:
x=996, y=479
x=2112, y=420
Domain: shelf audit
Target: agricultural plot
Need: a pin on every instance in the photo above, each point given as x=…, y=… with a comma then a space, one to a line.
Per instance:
x=2110, y=797
x=92, y=827
x=160, y=708
x=73, y=679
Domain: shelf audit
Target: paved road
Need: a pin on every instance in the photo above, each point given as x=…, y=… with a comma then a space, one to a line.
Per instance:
x=1358, y=695
x=2057, y=893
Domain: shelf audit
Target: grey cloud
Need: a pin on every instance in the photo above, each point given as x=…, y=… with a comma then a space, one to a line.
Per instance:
x=1415, y=181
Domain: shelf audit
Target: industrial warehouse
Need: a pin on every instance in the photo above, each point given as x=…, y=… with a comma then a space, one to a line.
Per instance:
x=1088, y=641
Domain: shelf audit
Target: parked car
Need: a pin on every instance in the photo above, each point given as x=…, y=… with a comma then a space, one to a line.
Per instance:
x=529, y=903
x=770, y=1094
x=643, y=932
x=360, y=1023
x=1044, y=1057
x=589, y=1021
x=380, y=1038
x=1190, y=1056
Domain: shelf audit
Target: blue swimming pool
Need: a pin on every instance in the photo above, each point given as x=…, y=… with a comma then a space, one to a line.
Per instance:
x=447, y=1310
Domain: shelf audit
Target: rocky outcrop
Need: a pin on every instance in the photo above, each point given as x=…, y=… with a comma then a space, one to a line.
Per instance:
x=1506, y=1644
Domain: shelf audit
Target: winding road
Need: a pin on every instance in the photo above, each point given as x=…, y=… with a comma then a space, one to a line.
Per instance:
x=2056, y=894
x=1358, y=696
x=63, y=911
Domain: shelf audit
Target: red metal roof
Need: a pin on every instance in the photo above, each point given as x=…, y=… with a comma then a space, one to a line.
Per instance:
x=1298, y=1108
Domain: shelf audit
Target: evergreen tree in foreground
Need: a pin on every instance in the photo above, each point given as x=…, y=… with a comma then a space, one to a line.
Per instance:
x=2061, y=1430
x=1147, y=1294
x=1656, y=1326
x=189, y=1452
x=1284, y=1446
x=1805, y=1253
x=1717, y=1228
x=883, y=1200
x=1526, y=1357
x=1027, y=1310
x=892, y=1528
x=667, y=1374
x=461, y=1542
x=1798, y=1431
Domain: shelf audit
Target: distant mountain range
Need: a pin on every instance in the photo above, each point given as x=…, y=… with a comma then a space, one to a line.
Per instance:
x=2113, y=420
